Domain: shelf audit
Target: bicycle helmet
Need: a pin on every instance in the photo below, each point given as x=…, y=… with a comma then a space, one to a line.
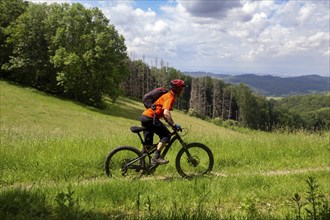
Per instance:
x=177, y=85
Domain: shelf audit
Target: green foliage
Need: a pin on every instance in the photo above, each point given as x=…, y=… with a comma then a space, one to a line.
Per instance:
x=67, y=206
x=297, y=204
x=249, y=205
x=192, y=112
x=248, y=108
x=309, y=111
x=229, y=123
x=91, y=56
x=20, y=203
x=315, y=206
x=9, y=11
x=239, y=103
x=67, y=50
x=29, y=62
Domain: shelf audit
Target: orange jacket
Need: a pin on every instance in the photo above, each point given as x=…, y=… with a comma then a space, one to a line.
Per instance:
x=166, y=101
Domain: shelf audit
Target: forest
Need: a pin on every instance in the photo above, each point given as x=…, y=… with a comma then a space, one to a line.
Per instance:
x=76, y=53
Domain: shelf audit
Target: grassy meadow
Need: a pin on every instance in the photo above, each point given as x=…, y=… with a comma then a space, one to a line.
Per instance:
x=52, y=153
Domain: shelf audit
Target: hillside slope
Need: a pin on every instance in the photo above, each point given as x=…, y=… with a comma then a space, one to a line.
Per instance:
x=269, y=85
x=29, y=117
x=277, y=86
x=51, y=148
x=26, y=110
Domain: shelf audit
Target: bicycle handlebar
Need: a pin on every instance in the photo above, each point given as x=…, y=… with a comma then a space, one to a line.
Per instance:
x=174, y=129
x=183, y=131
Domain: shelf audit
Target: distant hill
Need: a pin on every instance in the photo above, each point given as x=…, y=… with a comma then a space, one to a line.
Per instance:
x=269, y=85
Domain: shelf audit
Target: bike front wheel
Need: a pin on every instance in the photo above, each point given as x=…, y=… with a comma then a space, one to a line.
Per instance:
x=195, y=159
x=124, y=161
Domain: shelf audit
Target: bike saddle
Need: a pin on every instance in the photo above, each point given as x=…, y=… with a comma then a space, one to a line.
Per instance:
x=136, y=129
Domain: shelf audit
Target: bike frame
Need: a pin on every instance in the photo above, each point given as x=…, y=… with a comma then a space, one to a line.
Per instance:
x=173, y=137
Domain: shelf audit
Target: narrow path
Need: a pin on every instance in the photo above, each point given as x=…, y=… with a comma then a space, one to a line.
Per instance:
x=103, y=179
x=275, y=172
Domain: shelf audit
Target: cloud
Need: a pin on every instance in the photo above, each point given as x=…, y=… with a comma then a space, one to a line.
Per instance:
x=227, y=36
x=209, y=8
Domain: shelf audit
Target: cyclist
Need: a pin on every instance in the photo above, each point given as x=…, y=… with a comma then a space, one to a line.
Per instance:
x=163, y=106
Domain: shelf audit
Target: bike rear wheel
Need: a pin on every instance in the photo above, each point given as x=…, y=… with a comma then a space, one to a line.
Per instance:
x=124, y=161
x=194, y=160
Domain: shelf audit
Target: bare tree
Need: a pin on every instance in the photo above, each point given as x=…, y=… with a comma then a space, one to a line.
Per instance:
x=216, y=98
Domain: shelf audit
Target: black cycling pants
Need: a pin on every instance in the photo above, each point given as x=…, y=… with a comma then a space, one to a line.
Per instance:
x=159, y=128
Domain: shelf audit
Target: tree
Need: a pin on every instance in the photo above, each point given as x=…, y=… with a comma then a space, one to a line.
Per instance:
x=309, y=111
x=90, y=55
x=227, y=103
x=67, y=49
x=198, y=100
x=10, y=10
x=265, y=111
x=140, y=80
x=216, y=98
x=29, y=62
x=248, y=109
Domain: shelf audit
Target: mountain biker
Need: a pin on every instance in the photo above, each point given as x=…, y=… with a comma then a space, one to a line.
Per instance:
x=163, y=106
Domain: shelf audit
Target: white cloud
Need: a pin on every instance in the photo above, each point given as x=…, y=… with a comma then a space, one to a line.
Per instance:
x=227, y=36
x=209, y=8
x=158, y=27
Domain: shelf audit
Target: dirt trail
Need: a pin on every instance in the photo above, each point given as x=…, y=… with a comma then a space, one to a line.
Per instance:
x=98, y=180
x=276, y=172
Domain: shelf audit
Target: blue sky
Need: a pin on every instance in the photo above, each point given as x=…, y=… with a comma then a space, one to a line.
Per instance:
x=146, y=4
x=286, y=38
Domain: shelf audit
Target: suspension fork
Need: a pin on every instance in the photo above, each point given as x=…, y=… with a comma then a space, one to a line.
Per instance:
x=183, y=144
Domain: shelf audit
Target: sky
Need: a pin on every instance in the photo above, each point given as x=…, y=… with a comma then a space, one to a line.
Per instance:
x=278, y=37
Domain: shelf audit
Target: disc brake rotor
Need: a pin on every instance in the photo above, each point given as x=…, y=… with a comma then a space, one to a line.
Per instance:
x=123, y=167
x=193, y=161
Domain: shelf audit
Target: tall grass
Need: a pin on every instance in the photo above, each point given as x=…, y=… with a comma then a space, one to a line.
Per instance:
x=52, y=153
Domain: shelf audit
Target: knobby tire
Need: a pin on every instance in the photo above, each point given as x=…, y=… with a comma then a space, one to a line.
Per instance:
x=200, y=162
x=116, y=161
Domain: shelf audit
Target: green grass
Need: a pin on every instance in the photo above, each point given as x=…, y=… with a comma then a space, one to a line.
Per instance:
x=52, y=153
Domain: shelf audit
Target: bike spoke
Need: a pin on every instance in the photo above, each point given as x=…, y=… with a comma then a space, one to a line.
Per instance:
x=196, y=160
x=124, y=163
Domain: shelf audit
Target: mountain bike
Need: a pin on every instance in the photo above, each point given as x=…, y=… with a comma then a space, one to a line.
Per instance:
x=192, y=159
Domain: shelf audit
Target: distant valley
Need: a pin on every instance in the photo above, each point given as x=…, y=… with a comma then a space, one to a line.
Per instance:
x=269, y=85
